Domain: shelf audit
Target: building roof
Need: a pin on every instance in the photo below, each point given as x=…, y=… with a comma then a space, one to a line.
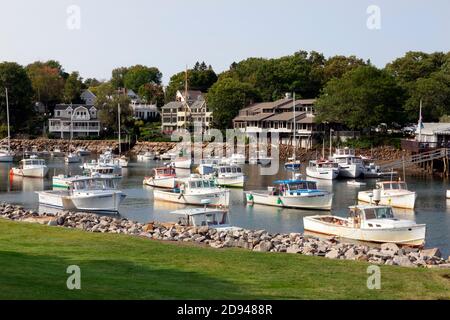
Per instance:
x=64, y=106
x=172, y=104
x=256, y=117
x=431, y=128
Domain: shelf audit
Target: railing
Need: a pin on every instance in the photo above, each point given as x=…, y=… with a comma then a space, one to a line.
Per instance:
x=417, y=158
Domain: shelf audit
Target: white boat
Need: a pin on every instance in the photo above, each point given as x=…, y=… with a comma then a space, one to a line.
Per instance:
x=193, y=190
x=237, y=158
x=146, y=156
x=369, y=223
x=260, y=158
x=5, y=152
x=207, y=165
x=350, y=166
x=182, y=163
x=300, y=194
x=230, y=176
x=32, y=167
x=102, y=169
x=93, y=194
x=82, y=152
x=6, y=155
x=447, y=195
x=62, y=181
x=72, y=158
x=373, y=171
x=392, y=193
x=57, y=153
x=323, y=169
x=123, y=161
x=201, y=217
x=163, y=177
x=170, y=155
x=356, y=183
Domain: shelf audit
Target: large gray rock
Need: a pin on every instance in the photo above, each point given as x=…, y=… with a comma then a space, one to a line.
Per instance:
x=332, y=254
x=403, y=261
x=293, y=249
x=263, y=246
x=389, y=247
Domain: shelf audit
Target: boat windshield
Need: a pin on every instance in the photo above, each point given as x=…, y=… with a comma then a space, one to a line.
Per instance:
x=304, y=185
x=34, y=162
x=201, y=184
x=101, y=184
x=379, y=213
x=395, y=186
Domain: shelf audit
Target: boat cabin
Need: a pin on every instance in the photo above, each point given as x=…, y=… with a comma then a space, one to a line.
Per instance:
x=392, y=185
x=229, y=169
x=164, y=172
x=292, y=187
x=362, y=215
x=200, y=217
x=324, y=164
x=95, y=183
x=32, y=162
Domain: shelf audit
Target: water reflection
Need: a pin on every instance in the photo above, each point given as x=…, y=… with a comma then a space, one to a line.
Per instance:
x=432, y=206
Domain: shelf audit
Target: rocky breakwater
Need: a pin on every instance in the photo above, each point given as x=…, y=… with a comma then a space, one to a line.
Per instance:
x=155, y=147
x=255, y=240
x=95, y=146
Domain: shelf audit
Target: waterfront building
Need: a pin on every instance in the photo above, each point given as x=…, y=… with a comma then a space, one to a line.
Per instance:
x=188, y=111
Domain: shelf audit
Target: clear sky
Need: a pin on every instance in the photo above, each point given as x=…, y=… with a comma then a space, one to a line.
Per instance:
x=171, y=34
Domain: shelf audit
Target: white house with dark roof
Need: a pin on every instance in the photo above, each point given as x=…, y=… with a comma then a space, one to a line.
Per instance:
x=79, y=119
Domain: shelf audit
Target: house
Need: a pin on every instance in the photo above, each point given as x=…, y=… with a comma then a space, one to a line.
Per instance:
x=432, y=135
x=144, y=111
x=77, y=120
x=189, y=111
x=278, y=116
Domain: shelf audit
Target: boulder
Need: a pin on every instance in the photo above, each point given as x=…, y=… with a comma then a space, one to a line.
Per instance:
x=403, y=261
x=434, y=252
x=389, y=247
x=332, y=254
x=293, y=249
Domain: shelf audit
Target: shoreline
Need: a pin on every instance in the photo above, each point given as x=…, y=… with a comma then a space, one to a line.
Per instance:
x=254, y=240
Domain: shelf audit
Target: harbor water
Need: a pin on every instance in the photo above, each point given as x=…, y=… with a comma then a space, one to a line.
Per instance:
x=432, y=207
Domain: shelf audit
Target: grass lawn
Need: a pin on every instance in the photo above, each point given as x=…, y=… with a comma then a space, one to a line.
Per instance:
x=34, y=258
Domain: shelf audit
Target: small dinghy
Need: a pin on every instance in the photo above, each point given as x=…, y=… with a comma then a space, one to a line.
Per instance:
x=356, y=183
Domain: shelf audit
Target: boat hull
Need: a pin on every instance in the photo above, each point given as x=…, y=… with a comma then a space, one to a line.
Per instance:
x=38, y=172
x=329, y=174
x=349, y=171
x=233, y=182
x=317, y=201
x=219, y=198
x=405, y=200
x=183, y=164
x=167, y=183
x=411, y=235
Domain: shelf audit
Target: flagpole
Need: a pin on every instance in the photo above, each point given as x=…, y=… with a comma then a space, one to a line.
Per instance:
x=420, y=121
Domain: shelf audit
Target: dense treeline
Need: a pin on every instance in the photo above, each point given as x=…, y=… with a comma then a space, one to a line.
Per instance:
x=349, y=90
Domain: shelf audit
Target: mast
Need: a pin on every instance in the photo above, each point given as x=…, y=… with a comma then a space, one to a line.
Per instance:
x=71, y=130
x=420, y=121
x=7, y=119
x=118, y=119
x=295, y=126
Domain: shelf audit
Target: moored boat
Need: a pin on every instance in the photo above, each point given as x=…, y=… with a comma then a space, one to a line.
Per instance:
x=194, y=190
x=82, y=152
x=368, y=223
x=72, y=158
x=229, y=176
x=146, y=156
x=295, y=193
x=32, y=167
x=163, y=177
x=350, y=166
x=93, y=194
x=392, y=193
x=323, y=169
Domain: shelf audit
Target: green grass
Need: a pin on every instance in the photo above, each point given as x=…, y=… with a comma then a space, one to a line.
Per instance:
x=34, y=258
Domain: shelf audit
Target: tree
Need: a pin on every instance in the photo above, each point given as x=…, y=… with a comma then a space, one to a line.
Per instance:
x=152, y=93
x=72, y=88
x=226, y=97
x=117, y=77
x=337, y=66
x=200, y=78
x=108, y=115
x=91, y=82
x=435, y=95
x=20, y=93
x=47, y=81
x=139, y=75
x=362, y=98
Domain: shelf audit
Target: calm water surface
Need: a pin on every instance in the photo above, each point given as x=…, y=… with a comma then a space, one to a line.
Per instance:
x=432, y=208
